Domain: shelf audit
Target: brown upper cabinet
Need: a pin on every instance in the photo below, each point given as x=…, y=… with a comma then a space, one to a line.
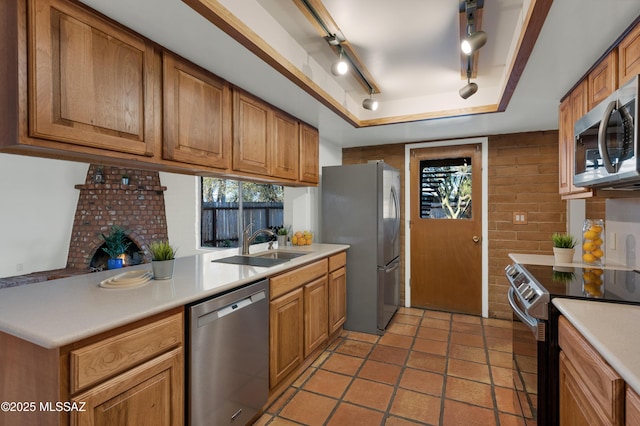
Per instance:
x=285, y=146
x=90, y=83
x=572, y=108
x=612, y=71
x=603, y=79
x=78, y=86
x=197, y=115
x=629, y=56
x=252, y=123
x=269, y=142
x=309, y=154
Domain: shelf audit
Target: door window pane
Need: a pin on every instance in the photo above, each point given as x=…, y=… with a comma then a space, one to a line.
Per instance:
x=445, y=188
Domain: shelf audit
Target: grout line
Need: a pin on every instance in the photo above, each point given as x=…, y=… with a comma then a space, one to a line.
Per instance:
x=343, y=338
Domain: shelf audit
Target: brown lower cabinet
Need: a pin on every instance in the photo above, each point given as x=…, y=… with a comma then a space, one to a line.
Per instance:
x=307, y=308
x=131, y=375
x=591, y=392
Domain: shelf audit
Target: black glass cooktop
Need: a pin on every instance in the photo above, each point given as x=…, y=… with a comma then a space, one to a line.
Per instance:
x=594, y=283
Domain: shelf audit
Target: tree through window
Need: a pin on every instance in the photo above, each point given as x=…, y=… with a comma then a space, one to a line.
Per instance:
x=229, y=205
x=445, y=188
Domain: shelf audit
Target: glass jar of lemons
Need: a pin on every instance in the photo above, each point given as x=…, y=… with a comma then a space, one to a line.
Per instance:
x=593, y=242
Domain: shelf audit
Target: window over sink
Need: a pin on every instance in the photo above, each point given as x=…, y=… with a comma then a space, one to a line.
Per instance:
x=227, y=206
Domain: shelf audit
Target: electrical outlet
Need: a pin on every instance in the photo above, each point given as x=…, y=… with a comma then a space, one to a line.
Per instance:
x=519, y=218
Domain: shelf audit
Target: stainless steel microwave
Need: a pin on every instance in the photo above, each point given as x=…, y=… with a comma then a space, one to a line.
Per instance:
x=606, y=142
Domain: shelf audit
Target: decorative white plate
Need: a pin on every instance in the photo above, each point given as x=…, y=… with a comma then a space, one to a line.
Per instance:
x=130, y=279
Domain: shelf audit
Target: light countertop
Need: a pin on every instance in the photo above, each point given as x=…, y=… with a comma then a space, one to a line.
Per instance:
x=58, y=312
x=612, y=329
x=548, y=260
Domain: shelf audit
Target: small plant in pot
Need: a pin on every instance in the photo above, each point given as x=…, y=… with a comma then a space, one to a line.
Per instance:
x=563, y=247
x=281, y=236
x=163, y=257
x=115, y=245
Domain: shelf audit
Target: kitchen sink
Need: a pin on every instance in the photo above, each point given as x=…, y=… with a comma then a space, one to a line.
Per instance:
x=264, y=259
x=277, y=254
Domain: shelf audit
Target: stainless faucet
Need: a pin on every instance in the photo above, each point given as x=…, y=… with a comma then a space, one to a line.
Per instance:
x=247, y=240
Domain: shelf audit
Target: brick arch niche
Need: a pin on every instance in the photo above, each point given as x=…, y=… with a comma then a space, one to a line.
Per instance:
x=104, y=200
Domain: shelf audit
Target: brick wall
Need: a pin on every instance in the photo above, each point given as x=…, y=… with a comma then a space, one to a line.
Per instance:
x=137, y=207
x=523, y=176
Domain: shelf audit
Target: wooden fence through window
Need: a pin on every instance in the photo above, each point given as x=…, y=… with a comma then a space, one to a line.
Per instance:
x=220, y=221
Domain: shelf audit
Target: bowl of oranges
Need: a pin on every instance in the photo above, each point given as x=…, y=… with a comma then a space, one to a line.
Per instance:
x=593, y=242
x=302, y=238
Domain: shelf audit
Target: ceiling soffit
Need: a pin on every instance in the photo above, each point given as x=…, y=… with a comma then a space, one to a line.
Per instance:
x=344, y=104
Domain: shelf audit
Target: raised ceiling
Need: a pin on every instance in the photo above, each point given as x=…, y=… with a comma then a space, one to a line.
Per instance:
x=411, y=49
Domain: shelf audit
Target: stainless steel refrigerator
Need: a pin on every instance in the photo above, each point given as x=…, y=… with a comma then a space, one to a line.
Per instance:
x=361, y=207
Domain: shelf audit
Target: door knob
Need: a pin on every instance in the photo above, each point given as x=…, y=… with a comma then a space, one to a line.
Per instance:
x=476, y=238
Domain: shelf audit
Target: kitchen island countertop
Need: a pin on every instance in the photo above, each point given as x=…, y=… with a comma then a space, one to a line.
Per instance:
x=612, y=329
x=55, y=313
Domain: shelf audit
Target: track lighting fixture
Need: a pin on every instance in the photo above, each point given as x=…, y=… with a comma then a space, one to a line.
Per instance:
x=468, y=90
x=341, y=67
x=473, y=42
x=370, y=103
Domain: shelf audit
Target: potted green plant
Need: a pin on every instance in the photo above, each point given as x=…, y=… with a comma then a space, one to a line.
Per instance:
x=115, y=245
x=125, y=179
x=163, y=257
x=281, y=236
x=563, y=247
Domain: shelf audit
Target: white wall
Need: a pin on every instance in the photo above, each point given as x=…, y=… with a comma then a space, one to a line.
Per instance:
x=38, y=204
x=36, y=215
x=622, y=232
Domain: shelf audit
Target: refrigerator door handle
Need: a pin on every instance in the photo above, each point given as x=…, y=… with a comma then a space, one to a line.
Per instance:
x=392, y=267
x=396, y=205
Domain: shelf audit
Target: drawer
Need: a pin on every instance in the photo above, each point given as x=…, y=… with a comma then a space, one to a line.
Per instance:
x=284, y=283
x=96, y=362
x=337, y=260
x=604, y=385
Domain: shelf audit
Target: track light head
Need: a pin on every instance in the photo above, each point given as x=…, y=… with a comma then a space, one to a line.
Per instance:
x=370, y=104
x=473, y=42
x=340, y=68
x=468, y=90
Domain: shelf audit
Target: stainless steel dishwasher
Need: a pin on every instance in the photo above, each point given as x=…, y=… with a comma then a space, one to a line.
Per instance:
x=228, y=368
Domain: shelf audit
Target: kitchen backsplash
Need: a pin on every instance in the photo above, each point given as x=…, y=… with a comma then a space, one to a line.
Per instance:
x=623, y=231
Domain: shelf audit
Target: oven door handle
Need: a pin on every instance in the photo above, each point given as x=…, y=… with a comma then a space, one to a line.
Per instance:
x=536, y=327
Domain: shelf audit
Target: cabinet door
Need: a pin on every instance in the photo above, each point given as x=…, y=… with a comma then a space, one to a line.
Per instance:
x=632, y=410
x=565, y=146
x=337, y=299
x=590, y=383
x=316, y=314
x=252, y=121
x=574, y=405
x=285, y=147
x=603, y=80
x=571, y=109
x=197, y=115
x=286, y=334
x=309, y=154
x=91, y=83
x=629, y=56
x=150, y=394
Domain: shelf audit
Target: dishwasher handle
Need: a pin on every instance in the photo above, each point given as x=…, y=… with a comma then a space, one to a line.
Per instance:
x=231, y=308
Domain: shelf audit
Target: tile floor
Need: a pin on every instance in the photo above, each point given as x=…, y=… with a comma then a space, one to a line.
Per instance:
x=429, y=368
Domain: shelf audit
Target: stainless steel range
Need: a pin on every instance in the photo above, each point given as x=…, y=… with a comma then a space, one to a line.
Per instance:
x=535, y=342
